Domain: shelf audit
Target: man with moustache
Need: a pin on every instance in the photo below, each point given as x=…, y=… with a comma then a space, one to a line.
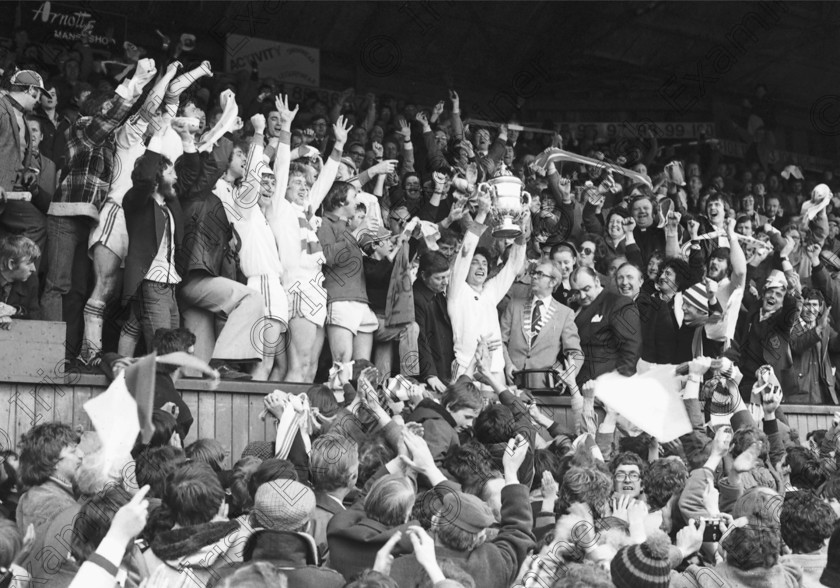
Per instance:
x=155, y=224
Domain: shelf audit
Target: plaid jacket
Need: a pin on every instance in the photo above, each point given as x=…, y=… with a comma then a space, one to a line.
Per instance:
x=90, y=161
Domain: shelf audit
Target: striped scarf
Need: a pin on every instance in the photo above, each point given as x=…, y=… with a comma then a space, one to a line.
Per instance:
x=309, y=239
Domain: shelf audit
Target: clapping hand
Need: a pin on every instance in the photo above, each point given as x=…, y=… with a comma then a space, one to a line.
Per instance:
x=420, y=457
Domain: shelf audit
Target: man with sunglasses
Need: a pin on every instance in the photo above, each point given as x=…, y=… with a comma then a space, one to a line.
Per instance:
x=540, y=331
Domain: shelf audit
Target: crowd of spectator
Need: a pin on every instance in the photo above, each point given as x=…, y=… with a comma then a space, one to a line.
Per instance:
x=245, y=236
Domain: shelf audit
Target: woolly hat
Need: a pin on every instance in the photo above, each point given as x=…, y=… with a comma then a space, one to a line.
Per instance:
x=643, y=565
x=696, y=296
x=284, y=505
x=724, y=400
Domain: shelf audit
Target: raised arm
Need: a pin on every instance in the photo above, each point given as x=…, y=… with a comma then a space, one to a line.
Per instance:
x=461, y=266
x=327, y=176
x=248, y=194
x=457, y=124
x=103, y=124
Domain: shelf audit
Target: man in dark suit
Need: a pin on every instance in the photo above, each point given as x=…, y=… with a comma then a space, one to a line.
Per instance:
x=609, y=328
x=334, y=470
x=763, y=337
x=435, y=346
x=155, y=224
x=539, y=332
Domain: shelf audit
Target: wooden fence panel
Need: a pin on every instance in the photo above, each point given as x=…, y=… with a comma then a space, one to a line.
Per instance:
x=230, y=414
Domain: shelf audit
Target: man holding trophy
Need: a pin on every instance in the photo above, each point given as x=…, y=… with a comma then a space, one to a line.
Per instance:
x=473, y=296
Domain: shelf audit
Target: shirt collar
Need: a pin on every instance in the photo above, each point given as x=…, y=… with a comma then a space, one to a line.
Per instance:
x=16, y=104
x=546, y=300
x=333, y=217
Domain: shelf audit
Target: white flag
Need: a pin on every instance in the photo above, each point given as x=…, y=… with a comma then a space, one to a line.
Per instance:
x=651, y=401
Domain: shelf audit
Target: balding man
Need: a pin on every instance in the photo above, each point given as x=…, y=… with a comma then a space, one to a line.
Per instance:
x=629, y=280
x=609, y=327
x=539, y=332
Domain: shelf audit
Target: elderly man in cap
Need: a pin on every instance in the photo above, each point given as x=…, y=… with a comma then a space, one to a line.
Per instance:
x=764, y=336
x=460, y=529
x=17, y=173
x=283, y=510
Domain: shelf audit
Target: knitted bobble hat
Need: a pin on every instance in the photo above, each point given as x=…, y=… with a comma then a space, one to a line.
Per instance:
x=644, y=565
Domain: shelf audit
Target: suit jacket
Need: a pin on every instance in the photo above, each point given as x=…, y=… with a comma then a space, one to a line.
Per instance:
x=10, y=160
x=208, y=233
x=354, y=538
x=146, y=220
x=767, y=342
x=611, y=336
x=557, y=340
x=435, y=342
x=812, y=364
x=325, y=509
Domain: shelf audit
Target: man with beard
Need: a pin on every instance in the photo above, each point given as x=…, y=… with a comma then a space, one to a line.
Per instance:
x=727, y=267
x=155, y=224
x=661, y=310
x=763, y=337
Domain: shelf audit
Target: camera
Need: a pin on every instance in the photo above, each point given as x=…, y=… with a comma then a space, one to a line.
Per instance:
x=712, y=532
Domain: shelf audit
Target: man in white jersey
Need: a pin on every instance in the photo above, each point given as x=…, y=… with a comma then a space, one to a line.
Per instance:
x=291, y=218
x=472, y=297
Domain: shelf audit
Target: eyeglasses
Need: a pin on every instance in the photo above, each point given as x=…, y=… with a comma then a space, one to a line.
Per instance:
x=587, y=251
x=539, y=274
x=624, y=476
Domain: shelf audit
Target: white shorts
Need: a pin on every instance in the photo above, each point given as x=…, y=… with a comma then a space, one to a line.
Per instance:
x=356, y=317
x=274, y=297
x=111, y=231
x=308, y=299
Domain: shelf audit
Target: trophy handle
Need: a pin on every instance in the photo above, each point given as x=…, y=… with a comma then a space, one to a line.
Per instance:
x=484, y=188
x=527, y=197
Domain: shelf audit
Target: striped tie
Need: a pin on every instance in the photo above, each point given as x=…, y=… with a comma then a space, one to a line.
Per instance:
x=536, y=315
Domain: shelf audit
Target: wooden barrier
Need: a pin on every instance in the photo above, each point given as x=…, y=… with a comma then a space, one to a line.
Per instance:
x=229, y=414
x=29, y=349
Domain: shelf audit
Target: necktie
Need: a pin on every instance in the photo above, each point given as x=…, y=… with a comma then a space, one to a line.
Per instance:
x=536, y=315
